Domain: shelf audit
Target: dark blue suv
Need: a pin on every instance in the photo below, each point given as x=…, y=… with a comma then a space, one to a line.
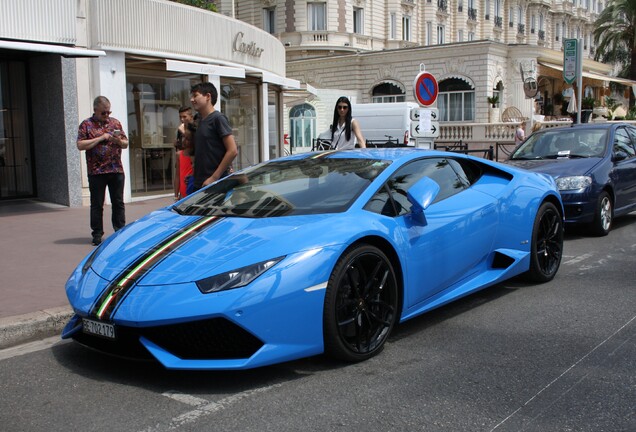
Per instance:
x=594, y=166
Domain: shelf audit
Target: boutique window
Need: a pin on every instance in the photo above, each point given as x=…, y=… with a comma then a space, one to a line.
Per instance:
x=240, y=102
x=154, y=97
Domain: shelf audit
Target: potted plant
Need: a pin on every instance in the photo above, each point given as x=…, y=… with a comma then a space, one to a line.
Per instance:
x=587, y=106
x=494, y=108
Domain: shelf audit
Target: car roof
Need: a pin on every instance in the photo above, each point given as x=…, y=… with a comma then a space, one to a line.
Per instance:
x=593, y=125
x=393, y=154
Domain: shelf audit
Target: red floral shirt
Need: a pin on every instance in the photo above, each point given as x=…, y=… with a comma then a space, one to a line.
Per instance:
x=105, y=157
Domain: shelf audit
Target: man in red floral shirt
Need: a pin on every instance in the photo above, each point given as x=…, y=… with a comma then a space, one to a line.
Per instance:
x=103, y=138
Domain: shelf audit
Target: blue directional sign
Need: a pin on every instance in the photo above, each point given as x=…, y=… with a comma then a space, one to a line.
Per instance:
x=425, y=89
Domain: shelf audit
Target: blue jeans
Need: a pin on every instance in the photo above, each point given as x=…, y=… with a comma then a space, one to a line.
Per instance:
x=97, y=185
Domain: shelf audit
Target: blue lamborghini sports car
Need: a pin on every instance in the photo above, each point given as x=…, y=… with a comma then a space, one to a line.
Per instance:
x=313, y=253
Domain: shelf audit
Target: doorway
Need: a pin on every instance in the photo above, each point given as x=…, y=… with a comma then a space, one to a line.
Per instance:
x=16, y=162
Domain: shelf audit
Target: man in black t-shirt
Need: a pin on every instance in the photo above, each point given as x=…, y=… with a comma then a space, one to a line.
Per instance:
x=214, y=145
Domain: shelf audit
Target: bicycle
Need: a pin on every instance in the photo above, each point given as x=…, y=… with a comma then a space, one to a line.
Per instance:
x=321, y=144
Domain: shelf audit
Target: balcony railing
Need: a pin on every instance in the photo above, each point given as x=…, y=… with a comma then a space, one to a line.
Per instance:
x=521, y=29
x=472, y=14
x=541, y=34
x=498, y=21
x=442, y=5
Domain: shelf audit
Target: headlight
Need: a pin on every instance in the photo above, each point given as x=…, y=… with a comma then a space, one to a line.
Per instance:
x=235, y=278
x=573, y=183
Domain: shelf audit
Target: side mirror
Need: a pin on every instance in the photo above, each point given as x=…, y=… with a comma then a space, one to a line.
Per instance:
x=619, y=156
x=421, y=195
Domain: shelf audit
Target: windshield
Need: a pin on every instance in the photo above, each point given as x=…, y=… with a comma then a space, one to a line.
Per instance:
x=286, y=187
x=563, y=143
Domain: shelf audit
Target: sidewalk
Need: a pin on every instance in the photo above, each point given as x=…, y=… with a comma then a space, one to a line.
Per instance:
x=41, y=244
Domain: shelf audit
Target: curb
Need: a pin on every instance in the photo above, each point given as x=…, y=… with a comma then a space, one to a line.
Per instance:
x=20, y=329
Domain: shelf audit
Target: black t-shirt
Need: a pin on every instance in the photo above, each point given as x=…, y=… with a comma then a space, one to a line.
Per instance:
x=208, y=146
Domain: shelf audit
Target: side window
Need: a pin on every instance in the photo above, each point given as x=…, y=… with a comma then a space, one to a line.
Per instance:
x=623, y=142
x=467, y=171
x=632, y=134
x=391, y=199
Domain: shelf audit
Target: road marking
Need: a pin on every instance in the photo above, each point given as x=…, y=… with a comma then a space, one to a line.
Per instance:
x=579, y=258
x=29, y=347
x=203, y=407
x=575, y=364
x=185, y=398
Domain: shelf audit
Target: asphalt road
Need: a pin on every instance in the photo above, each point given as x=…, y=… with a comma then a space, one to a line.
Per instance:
x=554, y=357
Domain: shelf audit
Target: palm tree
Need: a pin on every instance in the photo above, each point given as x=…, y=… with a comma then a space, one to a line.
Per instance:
x=614, y=37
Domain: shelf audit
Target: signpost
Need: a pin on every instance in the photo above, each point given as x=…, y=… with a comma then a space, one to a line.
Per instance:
x=417, y=113
x=424, y=121
x=573, y=68
x=425, y=132
x=569, y=60
x=425, y=89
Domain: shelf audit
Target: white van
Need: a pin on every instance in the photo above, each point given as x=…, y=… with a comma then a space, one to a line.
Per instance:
x=379, y=121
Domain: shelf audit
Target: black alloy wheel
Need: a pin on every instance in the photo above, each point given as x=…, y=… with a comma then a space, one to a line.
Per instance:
x=547, y=244
x=361, y=304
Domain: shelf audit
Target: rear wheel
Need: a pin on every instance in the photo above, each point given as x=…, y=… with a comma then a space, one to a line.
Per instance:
x=604, y=215
x=547, y=244
x=361, y=304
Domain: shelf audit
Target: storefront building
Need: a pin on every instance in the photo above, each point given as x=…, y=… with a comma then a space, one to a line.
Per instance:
x=144, y=56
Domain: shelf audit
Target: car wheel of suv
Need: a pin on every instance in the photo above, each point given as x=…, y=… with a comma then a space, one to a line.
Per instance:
x=604, y=216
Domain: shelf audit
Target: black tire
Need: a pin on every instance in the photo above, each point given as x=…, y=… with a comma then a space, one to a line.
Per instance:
x=361, y=304
x=603, y=216
x=547, y=244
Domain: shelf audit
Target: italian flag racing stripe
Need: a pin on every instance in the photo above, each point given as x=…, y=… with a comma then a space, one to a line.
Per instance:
x=122, y=284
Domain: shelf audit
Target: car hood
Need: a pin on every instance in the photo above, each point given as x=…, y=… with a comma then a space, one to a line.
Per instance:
x=558, y=167
x=224, y=244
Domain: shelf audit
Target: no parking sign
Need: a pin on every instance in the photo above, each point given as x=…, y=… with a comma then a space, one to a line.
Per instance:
x=425, y=89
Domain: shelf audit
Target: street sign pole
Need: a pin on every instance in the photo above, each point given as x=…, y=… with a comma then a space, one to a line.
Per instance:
x=424, y=125
x=573, y=69
x=579, y=80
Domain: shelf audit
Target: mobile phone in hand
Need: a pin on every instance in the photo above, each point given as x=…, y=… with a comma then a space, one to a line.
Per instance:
x=116, y=132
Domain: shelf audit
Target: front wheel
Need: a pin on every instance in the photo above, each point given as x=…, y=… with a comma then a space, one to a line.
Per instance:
x=547, y=244
x=603, y=216
x=361, y=304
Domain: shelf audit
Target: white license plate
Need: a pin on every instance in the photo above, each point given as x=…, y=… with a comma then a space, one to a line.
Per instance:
x=98, y=328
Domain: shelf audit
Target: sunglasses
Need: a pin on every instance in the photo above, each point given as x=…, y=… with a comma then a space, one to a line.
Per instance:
x=107, y=112
x=343, y=107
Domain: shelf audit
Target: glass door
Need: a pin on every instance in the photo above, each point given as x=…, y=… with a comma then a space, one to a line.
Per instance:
x=16, y=165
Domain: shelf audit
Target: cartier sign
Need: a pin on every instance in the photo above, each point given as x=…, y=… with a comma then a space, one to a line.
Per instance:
x=245, y=47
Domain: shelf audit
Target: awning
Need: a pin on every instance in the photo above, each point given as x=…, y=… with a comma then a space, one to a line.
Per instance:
x=66, y=51
x=230, y=71
x=592, y=75
x=204, y=69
